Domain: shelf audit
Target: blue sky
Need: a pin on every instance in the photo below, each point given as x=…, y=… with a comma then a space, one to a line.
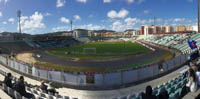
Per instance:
x=42, y=16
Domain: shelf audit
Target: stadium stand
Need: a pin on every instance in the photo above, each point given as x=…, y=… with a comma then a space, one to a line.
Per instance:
x=51, y=43
x=15, y=47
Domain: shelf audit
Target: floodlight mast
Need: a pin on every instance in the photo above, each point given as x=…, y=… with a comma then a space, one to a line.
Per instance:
x=198, y=16
x=71, y=24
x=19, y=17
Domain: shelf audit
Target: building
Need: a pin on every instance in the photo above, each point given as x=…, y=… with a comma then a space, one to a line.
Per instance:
x=195, y=28
x=80, y=33
x=180, y=28
x=131, y=33
x=169, y=29
x=163, y=29
x=188, y=28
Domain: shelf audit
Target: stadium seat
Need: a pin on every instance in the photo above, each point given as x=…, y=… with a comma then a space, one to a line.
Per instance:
x=42, y=95
x=50, y=97
x=38, y=97
x=17, y=95
x=131, y=96
x=65, y=97
x=11, y=92
x=58, y=96
x=124, y=97
x=35, y=92
x=28, y=89
x=24, y=97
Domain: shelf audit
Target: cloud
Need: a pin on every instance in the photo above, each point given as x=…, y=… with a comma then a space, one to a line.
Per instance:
x=47, y=14
x=4, y=22
x=146, y=11
x=4, y=1
x=91, y=27
x=130, y=1
x=64, y=20
x=1, y=14
x=121, y=14
x=77, y=17
x=11, y=20
x=107, y=1
x=60, y=28
x=82, y=1
x=60, y=3
x=32, y=23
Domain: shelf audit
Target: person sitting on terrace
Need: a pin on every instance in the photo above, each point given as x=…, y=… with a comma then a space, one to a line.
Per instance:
x=192, y=84
x=43, y=86
x=148, y=94
x=8, y=80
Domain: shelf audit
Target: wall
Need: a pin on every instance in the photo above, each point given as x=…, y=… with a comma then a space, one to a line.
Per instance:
x=108, y=79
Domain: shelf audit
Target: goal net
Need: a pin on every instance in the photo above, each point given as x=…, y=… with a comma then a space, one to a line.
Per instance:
x=89, y=50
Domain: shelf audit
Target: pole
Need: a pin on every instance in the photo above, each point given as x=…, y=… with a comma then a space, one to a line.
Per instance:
x=19, y=16
x=198, y=15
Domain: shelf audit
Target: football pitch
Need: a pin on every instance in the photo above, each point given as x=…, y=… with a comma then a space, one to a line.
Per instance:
x=99, y=50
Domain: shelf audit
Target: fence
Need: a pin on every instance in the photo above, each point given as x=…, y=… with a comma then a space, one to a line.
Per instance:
x=108, y=79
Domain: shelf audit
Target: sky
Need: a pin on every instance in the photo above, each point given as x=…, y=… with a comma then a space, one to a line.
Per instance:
x=43, y=16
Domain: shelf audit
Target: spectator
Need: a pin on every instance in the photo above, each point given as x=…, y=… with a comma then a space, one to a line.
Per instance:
x=192, y=81
x=8, y=80
x=43, y=86
x=198, y=77
x=51, y=89
x=20, y=86
x=163, y=95
x=148, y=94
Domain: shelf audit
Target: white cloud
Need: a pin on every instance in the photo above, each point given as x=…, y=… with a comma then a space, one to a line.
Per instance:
x=11, y=20
x=82, y=1
x=47, y=14
x=107, y=1
x=130, y=1
x=77, y=17
x=121, y=14
x=117, y=26
x=91, y=27
x=146, y=11
x=60, y=3
x=60, y=28
x=32, y=23
x=1, y=14
x=4, y=1
x=4, y=22
x=64, y=20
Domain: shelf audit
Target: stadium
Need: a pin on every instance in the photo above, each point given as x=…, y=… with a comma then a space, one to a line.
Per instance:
x=109, y=64
x=80, y=52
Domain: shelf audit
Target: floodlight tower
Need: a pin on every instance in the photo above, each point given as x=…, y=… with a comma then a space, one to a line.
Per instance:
x=19, y=17
x=198, y=15
x=71, y=24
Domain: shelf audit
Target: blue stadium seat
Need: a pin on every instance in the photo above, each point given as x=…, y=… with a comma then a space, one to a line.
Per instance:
x=124, y=97
x=131, y=96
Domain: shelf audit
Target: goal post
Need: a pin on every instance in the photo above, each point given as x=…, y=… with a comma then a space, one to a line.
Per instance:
x=91, y=50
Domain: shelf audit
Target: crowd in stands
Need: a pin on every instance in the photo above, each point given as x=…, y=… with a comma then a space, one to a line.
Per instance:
x=19, y=89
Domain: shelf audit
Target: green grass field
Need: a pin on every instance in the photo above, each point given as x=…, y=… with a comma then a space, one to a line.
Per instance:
x=102, y=50
x=119, y=49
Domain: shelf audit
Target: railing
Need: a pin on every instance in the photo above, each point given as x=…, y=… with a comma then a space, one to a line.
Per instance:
x=99, y=80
